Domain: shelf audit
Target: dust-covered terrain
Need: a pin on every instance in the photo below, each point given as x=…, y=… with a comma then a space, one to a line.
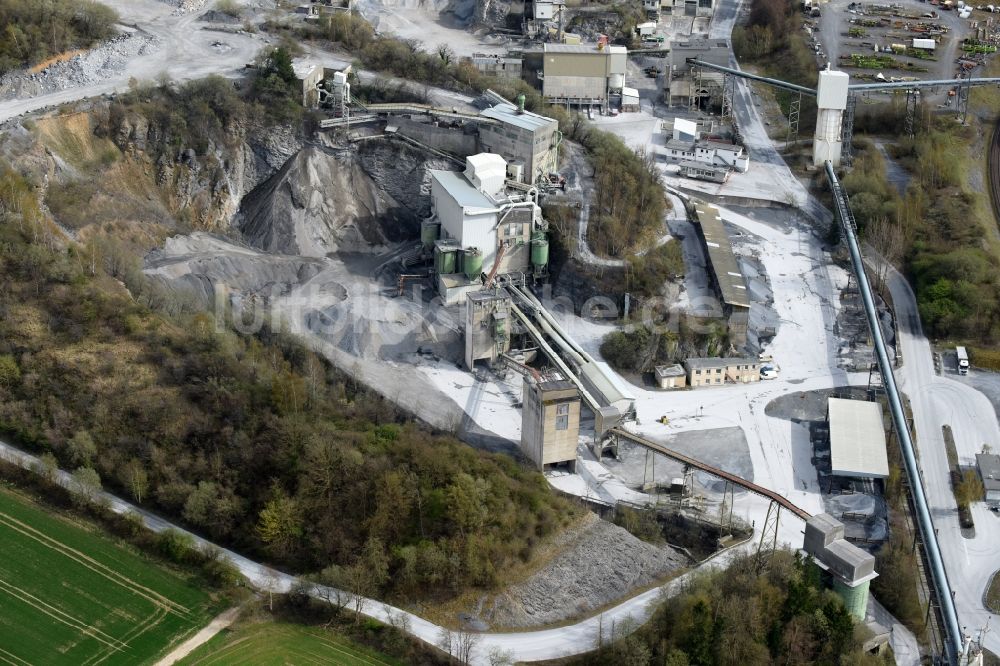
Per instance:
x=599, y=563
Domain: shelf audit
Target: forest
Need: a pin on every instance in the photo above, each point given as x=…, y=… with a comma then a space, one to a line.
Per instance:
x=933, y=230
x=738, y=617
x=35, y=30
x=253, y=441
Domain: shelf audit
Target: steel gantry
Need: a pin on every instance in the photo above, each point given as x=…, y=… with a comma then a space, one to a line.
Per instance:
x=961, y=86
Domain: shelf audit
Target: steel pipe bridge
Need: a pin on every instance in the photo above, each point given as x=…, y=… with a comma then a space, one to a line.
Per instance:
x=953, y=639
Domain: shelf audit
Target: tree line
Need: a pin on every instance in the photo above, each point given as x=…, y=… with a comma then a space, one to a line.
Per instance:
x=741, y=616
x=933, y=229
x=32, y=31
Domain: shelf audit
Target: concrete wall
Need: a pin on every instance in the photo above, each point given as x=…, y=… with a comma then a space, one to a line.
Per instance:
x=575, y=87
x=454, y=141
x=672, y=382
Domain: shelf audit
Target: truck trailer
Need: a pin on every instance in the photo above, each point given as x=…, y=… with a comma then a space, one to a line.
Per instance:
x=963, y=360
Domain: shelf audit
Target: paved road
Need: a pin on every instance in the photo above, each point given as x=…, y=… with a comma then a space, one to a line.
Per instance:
x=522, y=646
x=937, y=401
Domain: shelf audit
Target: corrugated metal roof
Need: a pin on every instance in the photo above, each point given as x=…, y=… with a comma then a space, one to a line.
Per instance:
x=989, y=469
x=723, y=262
x=461, y=190
x=857, y=439
x=575, y=48
x=507, y=114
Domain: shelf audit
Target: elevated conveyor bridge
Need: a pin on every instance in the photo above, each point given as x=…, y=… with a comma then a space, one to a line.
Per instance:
x=761, y=491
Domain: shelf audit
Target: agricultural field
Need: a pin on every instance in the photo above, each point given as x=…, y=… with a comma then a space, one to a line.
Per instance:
x=279, y=644
x=69, y=595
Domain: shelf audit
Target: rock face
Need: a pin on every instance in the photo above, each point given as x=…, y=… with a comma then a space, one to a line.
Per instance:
x=599, y=563
x=209, y=185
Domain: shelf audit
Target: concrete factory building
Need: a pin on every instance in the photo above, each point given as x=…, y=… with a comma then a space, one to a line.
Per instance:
x=703, y=8
x=487, y=326
x=582, y=74
x=989, y=472
x=717, y=371
x=724, y=272
x=850, y=568
x=504, y=67
x=714, y=51
x=528, y=141
x=479, y=228
x=309, y=75
x=685, y=146
x=550, y=421
x=857, y=439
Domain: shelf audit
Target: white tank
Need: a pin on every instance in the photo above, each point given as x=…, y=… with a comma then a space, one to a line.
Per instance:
x=616, y=81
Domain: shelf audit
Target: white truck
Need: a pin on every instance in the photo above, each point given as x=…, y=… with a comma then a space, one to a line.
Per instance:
x=963, y=360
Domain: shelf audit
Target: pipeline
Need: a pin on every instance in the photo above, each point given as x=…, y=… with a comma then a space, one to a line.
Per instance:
x=753, y=77
x=953, y=640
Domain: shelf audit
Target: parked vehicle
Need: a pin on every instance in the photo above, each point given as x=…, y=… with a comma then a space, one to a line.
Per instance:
x=963, y=360
x=768, y=372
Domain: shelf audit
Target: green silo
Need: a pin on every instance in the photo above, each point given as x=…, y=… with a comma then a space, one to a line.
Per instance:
x=855, y=598
x=539, y=250
x=429, y=232
x=444, y=260
x=472, y=263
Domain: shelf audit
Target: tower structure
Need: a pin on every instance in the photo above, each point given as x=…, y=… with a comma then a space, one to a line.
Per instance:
x=831, y=101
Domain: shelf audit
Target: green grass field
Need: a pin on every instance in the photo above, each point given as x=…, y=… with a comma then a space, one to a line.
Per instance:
x=280, y=644
x=69, y=595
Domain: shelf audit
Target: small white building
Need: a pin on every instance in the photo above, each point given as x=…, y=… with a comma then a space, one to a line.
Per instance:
x=683, y=147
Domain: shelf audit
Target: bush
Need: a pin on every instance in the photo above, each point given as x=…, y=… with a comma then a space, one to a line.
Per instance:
x=176, y=546
x=34, y=31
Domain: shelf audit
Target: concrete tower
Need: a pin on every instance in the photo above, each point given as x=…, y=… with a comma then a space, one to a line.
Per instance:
x=831, y=100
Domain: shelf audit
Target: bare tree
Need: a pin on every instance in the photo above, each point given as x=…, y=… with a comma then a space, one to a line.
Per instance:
x=465, y=645
x=499, y=657
x=888, y=242
x=446, y=641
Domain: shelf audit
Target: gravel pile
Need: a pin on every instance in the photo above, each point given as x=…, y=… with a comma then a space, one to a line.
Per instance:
x=95, y=65
x=600, y=563
x=186, y=5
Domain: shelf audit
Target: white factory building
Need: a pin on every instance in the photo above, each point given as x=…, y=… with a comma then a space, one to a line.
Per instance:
x=481, y=225
x=685, y=146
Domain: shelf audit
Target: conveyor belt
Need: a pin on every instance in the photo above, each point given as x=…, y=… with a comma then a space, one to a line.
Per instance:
x=781, y=500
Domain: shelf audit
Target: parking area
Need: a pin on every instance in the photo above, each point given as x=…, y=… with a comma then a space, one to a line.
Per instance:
x=905, y=40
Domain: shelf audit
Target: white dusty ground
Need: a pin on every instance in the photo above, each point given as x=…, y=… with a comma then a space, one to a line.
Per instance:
x=180, y=47
x=422, y=21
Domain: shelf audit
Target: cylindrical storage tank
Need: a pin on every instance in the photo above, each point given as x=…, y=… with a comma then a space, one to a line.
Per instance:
x=444, y=262
x=616, y=81
x=472, y=263
x=539, y=249
x=429, y=232
x=520, y=103
x=855, y=598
